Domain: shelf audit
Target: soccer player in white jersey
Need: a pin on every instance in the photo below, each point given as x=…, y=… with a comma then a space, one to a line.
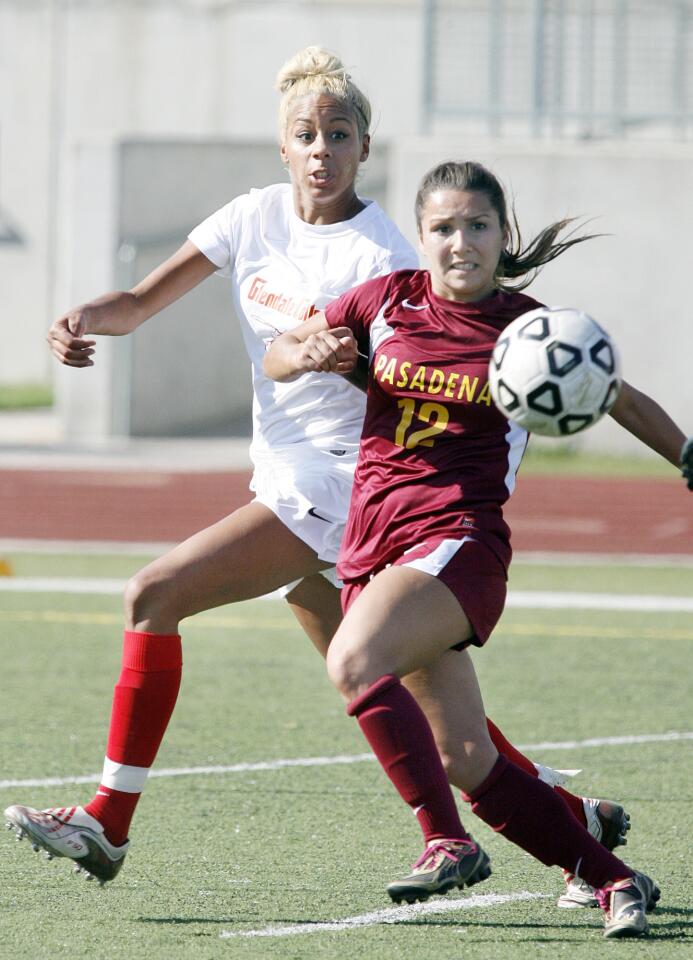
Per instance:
x=426, y=549
x=288, y=250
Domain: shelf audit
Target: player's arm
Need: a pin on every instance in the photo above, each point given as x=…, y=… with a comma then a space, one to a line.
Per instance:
x=647, y=421
x=309, y=348
x=121, y=312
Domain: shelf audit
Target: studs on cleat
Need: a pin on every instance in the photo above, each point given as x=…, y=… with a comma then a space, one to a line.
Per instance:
x=48, y=855
x=35, y=847
x=76, y=868
x=88, y=876
x=10, y=826
x=20, y=834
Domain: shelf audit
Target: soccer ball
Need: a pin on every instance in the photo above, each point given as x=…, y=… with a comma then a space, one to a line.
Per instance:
x=554, y=371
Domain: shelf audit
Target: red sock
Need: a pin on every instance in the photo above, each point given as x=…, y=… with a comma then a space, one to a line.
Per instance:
x=527, y=812
x=143, y=702
x=506, y=748
x=401, y=738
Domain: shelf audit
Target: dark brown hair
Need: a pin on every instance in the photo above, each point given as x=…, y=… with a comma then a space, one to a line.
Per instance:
x=516, y=262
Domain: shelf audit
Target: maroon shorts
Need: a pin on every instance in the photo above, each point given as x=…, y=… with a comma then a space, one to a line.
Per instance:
x=467, y=567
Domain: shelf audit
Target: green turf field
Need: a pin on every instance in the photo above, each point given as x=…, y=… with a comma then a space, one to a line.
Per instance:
x=258, y=861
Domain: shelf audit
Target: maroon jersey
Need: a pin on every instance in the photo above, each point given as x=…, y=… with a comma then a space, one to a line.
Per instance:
x=437, y=459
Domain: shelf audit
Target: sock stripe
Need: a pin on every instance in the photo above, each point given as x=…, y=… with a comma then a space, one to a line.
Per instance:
x=123, y=777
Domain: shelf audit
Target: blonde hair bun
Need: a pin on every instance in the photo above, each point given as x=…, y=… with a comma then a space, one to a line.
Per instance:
x=311, y=62
x=315, y=71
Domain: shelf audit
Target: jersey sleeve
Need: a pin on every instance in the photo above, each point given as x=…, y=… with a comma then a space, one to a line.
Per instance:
x=216, y=236
x=357, y=308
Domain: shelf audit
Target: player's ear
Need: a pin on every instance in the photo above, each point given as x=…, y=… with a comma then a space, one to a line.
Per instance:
x=283, y=154
x=419, y=239
x=365, y=148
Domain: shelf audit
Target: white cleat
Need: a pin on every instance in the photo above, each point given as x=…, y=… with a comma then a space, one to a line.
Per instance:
x=608, y=823
x=69, y=832
x=625, y=905
x=578, y=893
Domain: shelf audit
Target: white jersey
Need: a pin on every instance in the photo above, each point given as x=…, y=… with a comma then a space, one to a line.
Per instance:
x=283, y=271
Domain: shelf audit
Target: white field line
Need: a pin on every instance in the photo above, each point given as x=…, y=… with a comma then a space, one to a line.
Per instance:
x=388, y=915
x=98, y=547
x=548, y=600
x=101, y=585
x=521, y=599
x=565, y=559
x=534, y=557
x=671, y=736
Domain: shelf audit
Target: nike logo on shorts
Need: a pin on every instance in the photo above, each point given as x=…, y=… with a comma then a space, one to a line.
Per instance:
x=312, y=513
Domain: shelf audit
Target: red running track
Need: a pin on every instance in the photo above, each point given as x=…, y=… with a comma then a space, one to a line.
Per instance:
x=553, y=513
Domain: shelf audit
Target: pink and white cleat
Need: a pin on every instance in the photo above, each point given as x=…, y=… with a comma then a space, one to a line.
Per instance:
x=69, y=832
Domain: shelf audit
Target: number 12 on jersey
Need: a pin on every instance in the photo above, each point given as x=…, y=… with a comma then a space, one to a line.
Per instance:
x=434, y=414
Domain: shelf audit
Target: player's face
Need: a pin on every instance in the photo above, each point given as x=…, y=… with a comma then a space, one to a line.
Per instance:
x=322, y=148
x=462, y=238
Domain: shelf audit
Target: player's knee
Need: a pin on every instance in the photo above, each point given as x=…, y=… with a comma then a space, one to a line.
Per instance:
x=145, y=599
x=349, y=670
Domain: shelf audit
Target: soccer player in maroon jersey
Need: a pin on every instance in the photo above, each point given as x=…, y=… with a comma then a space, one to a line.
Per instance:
x=425, y=555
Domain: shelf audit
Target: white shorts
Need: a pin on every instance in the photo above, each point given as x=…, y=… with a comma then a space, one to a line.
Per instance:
x=309, y=490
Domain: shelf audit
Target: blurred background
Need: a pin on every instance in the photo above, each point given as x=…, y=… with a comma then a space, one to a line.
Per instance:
x=123, y=123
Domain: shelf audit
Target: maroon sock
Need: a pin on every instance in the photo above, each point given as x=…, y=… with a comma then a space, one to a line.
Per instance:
x=528, y=812
x=143, y=702
x=401, y=738
x=506, y=748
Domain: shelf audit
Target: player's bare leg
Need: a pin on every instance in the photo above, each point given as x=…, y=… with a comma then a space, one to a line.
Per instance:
x=244, y=555
x=365, y=660
x=436, y=689
x=316, y=605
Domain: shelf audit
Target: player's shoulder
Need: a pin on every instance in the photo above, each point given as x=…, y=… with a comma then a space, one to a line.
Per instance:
x=521, y=301
x=274, y=197
x=409, y=287
x=395, y=286
x=512, y=303
x=373, y=226
x=257, y=200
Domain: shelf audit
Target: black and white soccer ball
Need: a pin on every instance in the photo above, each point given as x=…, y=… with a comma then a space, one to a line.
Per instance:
x=554, y=371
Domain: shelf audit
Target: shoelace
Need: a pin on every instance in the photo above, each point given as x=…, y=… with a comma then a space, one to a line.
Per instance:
x=65, y=812
x=433, y=852
x=604, y=894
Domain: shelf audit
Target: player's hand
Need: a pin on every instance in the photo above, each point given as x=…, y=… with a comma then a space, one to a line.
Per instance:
x=66, y=339
x=687, y=462
x=330, y=351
